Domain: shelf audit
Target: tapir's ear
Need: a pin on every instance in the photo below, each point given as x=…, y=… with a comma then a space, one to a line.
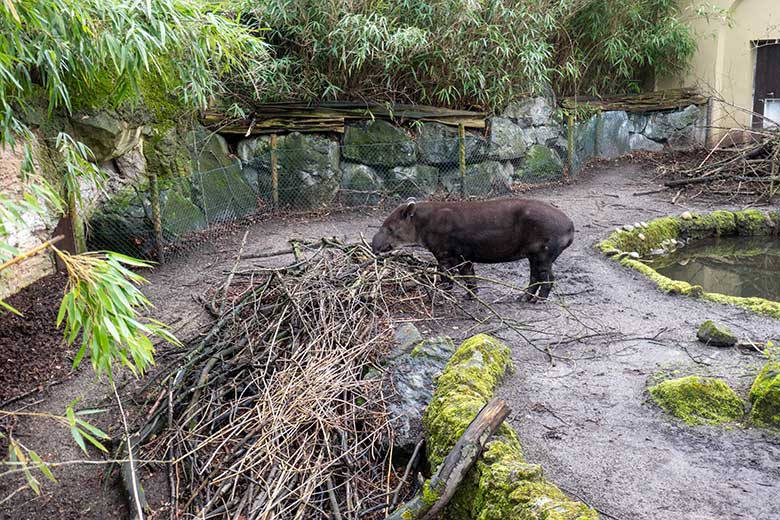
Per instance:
x=409, y=208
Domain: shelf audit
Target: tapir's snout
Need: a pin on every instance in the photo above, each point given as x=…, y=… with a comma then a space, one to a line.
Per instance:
x=380, y=243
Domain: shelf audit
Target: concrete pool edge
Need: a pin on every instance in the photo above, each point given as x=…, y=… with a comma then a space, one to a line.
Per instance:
x=630, y=244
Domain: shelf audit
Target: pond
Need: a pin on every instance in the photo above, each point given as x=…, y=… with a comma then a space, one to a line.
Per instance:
x=737, y=266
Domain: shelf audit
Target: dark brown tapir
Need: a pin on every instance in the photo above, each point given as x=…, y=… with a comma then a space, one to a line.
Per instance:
x=492, y=231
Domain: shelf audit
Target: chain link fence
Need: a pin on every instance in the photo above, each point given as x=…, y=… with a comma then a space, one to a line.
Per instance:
x=307, y=173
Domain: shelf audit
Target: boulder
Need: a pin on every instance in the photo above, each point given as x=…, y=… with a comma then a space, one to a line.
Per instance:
x=413, y=367
x=179, y=215
x=716, y=334
x=308, y=168
x=123, y=224
x=482, y=179
x=679, y=125
x=531, y=111
x=612, y=136
x=107, y=135
x=166, y=154
x=218, y=187
x=361, y=185
x=765, y=396
x=378, y=143
x=132, y=165
x=638, y=142
x=540, y=163
x=585, y=134
x=309, y=174
x=438, y=144
x=419, y=180
x=698, y=400
x=507, y=139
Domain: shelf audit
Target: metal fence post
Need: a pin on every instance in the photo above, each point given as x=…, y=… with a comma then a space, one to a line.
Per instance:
x=462, y=158
x=570, y=146
x=154, y=192
x=274, y=173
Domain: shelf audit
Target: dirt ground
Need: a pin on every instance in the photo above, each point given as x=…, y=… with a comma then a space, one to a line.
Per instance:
x=577, y=394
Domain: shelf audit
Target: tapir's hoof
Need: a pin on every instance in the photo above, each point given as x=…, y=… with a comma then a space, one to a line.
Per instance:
x=528, y=297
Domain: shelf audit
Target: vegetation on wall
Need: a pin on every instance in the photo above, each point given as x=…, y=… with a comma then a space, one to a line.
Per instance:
x=465, y=53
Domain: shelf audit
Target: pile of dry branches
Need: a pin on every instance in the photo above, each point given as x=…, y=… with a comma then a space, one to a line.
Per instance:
x=750, y=169
x=270, y=414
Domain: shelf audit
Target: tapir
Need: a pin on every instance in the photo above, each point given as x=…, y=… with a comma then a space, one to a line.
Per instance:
x=462, y=233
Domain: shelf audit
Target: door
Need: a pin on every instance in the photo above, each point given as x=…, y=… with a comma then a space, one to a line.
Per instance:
x=766, y=87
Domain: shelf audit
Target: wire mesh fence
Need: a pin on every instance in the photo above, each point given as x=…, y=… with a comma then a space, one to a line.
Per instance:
x=167, y=216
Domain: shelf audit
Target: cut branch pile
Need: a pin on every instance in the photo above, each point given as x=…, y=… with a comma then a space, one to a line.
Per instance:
x=749, y=169
x=269, y=415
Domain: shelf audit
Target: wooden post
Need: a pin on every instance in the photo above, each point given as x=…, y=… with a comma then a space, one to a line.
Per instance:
x=462, y=158
x=570, y=146
x=154, y=189
x=79, y=238
x=274, y=173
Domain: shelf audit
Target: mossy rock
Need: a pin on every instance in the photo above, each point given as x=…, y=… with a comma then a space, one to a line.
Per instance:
x=716, y=334
x=765, y=396
x=466, y=386
x=540, y=163
x=501, y=485
x=698, y=400
x=378, y=143
x=179, y=215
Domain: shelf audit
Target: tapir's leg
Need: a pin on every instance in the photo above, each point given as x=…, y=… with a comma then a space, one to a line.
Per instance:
x=529, y=294
x=447, y=269
x=467, y=269
x=542, y=273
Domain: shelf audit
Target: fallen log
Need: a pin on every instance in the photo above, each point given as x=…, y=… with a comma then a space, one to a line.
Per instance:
x=459, y=461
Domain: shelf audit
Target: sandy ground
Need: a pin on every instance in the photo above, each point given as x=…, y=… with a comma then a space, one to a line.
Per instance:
x=581, y=413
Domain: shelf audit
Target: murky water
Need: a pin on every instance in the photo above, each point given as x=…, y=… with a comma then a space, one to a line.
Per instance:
x=739, y=266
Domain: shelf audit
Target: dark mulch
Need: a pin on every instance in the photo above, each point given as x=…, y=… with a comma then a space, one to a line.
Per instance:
x=32, y=352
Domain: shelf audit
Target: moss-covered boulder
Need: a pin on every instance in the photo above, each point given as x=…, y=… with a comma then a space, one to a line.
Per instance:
x=716, y=334
x=541, y=162
x=501, y=485
x=482, y=179
x=765, y=396
x=361, y=185
x=179, y=215
x=439, y=144
x=378, y=143
x=419, y=180
x=698, y=400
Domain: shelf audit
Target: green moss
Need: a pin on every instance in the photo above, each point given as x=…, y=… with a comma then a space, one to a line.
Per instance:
x=759, y=305
x=466, y=385
x=502, y=484
x=751, y=222
x=716, y=334
x=658, y=230
x=765, y=396
x=667, y=285
x=544, y=501
x=717, y=223
x=698, y=400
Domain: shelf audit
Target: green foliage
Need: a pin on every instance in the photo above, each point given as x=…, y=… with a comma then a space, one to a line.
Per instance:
x=466, y=53
x=101, y=306
x=613, y=46
x=24, y=460
x=74, y=49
